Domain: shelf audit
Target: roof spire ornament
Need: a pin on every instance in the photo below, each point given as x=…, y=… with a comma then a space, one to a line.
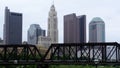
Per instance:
x=53, y=2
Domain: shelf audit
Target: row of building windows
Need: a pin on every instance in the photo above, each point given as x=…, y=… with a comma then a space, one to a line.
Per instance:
x=16, y=14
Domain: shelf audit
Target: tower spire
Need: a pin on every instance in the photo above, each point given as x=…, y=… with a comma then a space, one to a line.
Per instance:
x=53, y=2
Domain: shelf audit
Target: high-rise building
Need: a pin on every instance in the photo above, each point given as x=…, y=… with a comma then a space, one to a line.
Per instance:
x=12, y=27
x=97, y=30
x=74, y=28
x=53, y=25
x=33, y=33
x=82, y=26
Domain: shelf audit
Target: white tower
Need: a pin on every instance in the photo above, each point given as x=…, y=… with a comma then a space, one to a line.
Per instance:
x=53, y=25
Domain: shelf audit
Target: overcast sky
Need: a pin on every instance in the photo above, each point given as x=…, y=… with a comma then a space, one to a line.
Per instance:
x=36, y=12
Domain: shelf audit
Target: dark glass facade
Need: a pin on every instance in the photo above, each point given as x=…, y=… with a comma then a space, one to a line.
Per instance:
x=82, y=27
x=74, y=28
x=12, y=27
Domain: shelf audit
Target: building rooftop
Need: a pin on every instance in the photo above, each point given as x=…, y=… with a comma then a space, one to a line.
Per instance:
x=97, y=19
x=52, y=8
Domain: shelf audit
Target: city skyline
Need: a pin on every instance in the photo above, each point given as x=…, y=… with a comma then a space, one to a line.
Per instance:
x=37, y=13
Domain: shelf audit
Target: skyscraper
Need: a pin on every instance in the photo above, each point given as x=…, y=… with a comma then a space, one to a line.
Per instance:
x=97, y=30
x=82, y=26
x=12, y=27
x=74, y=28
x=33, y=33
x=53, y=25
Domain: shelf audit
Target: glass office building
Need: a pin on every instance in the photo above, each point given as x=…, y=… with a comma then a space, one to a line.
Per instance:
x=33, y=33
x=97, y=30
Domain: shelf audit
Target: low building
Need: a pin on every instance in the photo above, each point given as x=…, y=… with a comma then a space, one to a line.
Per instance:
x=44, y=41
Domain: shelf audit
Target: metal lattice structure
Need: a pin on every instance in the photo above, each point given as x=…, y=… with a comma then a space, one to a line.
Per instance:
x=84, y=53
x=74, y=53
x=19, y=54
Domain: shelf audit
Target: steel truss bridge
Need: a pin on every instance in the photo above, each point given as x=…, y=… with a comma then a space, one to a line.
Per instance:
x=61, y=54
